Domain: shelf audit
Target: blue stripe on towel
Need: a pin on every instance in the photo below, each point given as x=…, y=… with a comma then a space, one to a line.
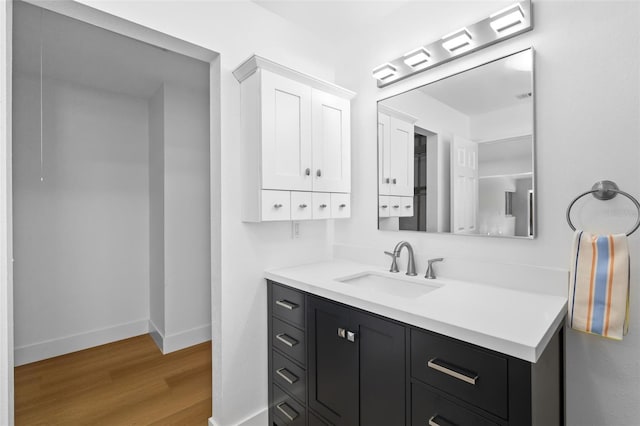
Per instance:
x=573, y=302
x=601, y=281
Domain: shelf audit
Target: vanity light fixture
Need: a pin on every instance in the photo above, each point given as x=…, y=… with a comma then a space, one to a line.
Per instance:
x=507, y=18
x=384, y=72
x=502, y=25
x=417, y=57
x=457, y=40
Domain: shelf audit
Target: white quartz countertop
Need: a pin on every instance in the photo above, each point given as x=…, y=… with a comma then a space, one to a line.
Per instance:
x=514, y=322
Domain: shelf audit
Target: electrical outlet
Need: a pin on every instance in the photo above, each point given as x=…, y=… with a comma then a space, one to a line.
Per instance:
x=295, y=230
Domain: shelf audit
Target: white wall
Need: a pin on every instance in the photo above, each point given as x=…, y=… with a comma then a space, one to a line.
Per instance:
x=81, y=259
x=587, y=129
x=156, y=216
x=187, y=278
x=237, y=30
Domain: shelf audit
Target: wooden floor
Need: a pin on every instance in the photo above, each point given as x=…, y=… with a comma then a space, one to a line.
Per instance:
x=123, y=383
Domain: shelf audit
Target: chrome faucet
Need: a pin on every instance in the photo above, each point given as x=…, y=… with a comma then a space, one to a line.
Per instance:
x=411, y=266
x=430, y=275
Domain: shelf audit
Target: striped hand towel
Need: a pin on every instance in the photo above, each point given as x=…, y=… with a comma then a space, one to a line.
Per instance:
x=599, y=285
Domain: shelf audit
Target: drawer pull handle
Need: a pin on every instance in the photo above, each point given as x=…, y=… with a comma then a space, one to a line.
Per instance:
x=384, y=206
x=437, y=420
x=287, y=375
x=396, y=206
x=286, y=304
x=407, y=206
x=449, y=370
x=277, y=205
x=284, y=408
x=342, y=206
x=323, y=206
x=303, y=206
x=287, y=340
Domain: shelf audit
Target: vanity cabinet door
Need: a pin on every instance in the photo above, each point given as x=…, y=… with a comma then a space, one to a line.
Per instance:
x=286, y=133
x=331, y=141
x=332, y=363
x=356, y=376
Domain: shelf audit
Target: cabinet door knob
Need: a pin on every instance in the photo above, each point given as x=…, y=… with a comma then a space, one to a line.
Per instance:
x=394, y=181
x=396, y=206
x=307, y=171
x=384, y=206
x=323, y=206
x=351, y=336
x=408, y=206
x=342, y=333
x=319, y=173
x=277, y=205
x=342, y=206
x=386, y=180
x=303, y=206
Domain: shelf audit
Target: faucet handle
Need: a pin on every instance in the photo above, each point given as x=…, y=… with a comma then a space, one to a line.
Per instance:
x=430, y=275
x=394, y=262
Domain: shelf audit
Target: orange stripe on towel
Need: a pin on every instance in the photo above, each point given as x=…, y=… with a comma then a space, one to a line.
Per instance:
x=594, y=257
x=610, y=284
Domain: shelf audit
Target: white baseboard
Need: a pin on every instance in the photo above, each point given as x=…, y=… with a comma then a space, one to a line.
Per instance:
x=64, y=345
x=261, y=418
x=177, y=341
x=184, y=339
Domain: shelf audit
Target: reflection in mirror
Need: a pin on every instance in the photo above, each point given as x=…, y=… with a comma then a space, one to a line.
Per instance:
x=457, y=155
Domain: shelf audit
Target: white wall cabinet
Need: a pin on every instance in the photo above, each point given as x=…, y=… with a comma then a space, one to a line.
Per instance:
x=395, y=163
x=296, y=140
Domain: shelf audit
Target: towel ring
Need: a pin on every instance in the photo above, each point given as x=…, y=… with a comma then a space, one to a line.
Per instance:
x=605, y=190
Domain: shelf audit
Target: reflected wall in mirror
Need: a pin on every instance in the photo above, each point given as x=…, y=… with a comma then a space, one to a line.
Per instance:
x=457, y=155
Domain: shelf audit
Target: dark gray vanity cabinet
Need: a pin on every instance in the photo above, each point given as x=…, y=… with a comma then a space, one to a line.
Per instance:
x=332, y=364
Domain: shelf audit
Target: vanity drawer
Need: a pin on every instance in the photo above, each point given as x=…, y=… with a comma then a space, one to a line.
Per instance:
x=383, y=206
x=300, y=205
x=406, y=206
x=473, y=375
x=287, y=304
x=276, y=205
x=289, y=340
x=286, y=411
x=429, y=408
x=340, y=205
x=321, y=202
x=289, y=377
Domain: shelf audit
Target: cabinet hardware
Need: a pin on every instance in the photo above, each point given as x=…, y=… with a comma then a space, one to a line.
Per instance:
x=307, y=171
x=394, y=181
x=407, y=206
x=286, y=304
x=441, y=367
x=284, y=407
x=351, y=336
x=342, y=333
x=287, y=375
x=319, y=173
x=287, y=340
x=386, y=180
x=384, y=206
x=396, y=206
x=277, y=205
x=303, y=206
x=323, y=206
x=441, y=421
x=342, y=206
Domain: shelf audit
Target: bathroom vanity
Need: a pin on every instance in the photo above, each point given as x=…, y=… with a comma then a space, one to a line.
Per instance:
x=356, y=345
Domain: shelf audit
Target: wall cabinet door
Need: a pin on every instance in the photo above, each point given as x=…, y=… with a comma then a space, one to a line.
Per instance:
x=286, y=133
x=331, y=142
x=401, y=149
x=357, y=366
x=384, y=136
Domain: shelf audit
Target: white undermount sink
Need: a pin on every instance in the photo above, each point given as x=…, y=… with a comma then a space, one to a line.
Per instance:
x=401, y=286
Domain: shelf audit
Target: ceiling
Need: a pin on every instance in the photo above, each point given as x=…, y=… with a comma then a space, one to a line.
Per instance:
x=84, y=54
x=490, y=87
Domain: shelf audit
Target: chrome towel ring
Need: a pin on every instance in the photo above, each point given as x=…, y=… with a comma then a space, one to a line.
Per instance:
x=605, y=190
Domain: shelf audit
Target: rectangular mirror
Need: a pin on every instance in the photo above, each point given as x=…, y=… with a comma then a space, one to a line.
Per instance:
x=457, y=155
